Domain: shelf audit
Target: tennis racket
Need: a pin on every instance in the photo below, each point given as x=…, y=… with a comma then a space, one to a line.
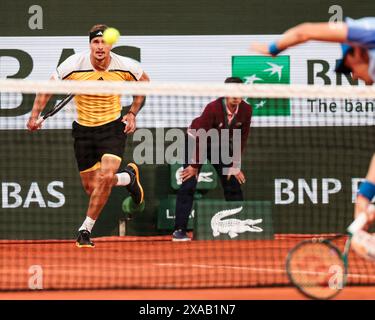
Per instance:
x=317, y=267
x=55, y=109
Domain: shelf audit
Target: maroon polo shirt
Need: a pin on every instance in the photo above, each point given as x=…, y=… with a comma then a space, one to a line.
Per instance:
x=215, y=116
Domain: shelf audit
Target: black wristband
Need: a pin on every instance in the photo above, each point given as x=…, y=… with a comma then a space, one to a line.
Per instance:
x=132, y=113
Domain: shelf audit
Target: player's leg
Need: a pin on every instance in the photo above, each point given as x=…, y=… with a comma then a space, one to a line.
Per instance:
x=101, y=186
x=105, y=180
x=89, y=178
x=89, y=165
x=130, y=178
x=112, y=141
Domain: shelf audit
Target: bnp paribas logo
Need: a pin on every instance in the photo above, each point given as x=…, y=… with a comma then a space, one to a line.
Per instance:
x=262, y=69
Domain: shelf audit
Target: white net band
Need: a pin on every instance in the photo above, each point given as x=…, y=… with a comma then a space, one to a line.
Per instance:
x=187, y=89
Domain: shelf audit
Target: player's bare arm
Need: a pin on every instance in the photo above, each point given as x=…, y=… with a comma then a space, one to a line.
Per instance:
x=40, y=103
x=322, y=31
x=129, y=118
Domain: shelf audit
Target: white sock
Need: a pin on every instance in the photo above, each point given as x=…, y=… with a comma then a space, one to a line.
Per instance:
x=88, y=224
x=123, y=179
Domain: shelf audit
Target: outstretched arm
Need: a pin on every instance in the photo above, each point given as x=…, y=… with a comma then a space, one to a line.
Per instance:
x=40, y=103
x=322, y=31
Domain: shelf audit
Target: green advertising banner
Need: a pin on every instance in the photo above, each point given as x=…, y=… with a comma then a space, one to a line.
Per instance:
x=224, y=220
x=261, y=69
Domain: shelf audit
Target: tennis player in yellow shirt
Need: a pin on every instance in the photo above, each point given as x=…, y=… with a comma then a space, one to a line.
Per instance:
x=99, y=131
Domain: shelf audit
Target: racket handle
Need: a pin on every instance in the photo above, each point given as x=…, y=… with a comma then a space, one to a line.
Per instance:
x=358, y=223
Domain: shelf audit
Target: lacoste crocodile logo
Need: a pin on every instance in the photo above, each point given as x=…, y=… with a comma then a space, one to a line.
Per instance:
x=202, y=177
x=233, y=227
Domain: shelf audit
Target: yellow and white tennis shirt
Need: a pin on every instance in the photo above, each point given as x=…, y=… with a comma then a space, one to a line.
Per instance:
x=96, y=110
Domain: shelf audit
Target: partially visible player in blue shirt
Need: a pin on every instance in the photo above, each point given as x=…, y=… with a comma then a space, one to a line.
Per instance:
x=357, y=39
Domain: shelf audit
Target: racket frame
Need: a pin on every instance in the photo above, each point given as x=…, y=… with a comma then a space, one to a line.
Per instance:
x=55, y=109
x=356, y=225
x=327, y=242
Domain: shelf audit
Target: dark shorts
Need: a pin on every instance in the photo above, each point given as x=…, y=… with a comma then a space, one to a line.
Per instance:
x=91, y=143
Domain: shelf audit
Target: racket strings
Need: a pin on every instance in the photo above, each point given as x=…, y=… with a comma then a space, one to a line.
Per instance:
x=317, y=269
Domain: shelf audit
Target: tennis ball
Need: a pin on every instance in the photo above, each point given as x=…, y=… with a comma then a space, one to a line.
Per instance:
x=111, y=35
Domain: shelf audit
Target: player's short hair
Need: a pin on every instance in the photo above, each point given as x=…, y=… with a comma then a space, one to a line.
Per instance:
x=233, y=80
x=98, y=27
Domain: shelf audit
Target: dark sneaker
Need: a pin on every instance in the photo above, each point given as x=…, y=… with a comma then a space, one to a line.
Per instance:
x=180, y=235
x=134, y=187
x=83, y=240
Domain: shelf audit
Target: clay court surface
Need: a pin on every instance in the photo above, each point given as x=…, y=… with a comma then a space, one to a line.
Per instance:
x=154, y=268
